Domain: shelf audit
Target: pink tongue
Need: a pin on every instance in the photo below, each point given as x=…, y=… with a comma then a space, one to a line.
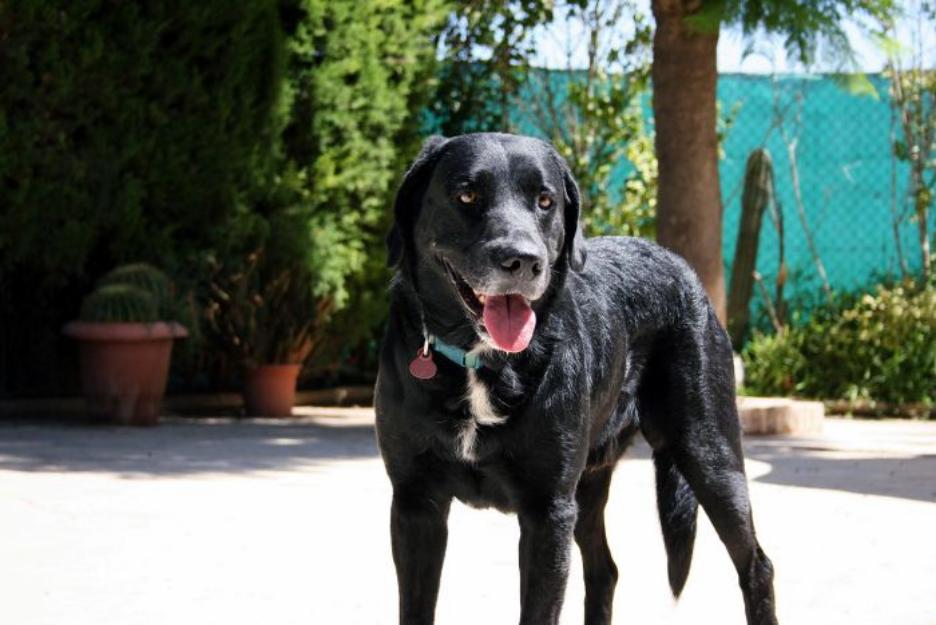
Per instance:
x=510, y=321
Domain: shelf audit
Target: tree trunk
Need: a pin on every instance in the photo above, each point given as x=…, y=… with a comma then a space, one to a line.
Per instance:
x=689, y=208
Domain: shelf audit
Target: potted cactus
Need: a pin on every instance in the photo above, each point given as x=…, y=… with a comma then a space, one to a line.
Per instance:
x=125, y=336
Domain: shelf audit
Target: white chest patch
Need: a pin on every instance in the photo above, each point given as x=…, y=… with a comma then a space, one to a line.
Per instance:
x=479, y=401
x=481, y=410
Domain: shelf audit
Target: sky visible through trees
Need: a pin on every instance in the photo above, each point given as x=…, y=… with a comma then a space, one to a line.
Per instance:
x=762, y=55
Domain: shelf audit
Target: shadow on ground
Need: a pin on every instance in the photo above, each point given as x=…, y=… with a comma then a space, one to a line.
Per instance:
x=184, y=446
x=909, y=476
x=194, y=446
x=806, y=464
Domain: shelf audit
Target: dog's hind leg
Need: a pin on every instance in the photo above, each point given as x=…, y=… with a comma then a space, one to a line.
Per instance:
x=599, y=568
x=689, y=414
x=714, y=470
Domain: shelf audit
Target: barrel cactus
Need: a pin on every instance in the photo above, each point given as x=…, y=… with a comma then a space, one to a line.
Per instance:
x=146, y=278
x=120, y=303
x=125, y=341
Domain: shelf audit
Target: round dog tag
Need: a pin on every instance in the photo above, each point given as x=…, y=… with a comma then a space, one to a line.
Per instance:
x=422, y=366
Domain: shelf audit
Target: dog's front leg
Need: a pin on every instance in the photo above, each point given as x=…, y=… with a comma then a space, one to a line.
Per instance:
x=418, y=531
x=545, y=542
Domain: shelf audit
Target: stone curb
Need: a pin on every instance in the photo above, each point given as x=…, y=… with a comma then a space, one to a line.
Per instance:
x=780, y=415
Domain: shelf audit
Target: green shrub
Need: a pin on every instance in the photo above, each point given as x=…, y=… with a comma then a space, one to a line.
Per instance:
x=357, y=75
x=354, y=72
x=260, y=305
x=174, y=132
x=128, y=129
x=879, y=346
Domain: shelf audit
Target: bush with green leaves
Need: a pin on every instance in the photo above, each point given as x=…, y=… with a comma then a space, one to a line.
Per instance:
x=260, y=306
x=357, y=77
x=166, y=131
x=128, y=130
x=880, y=346
x=592, y=114
x=353, y=75
x=488, y=47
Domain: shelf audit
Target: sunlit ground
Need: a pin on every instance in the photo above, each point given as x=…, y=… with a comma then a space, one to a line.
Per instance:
x=207, y=521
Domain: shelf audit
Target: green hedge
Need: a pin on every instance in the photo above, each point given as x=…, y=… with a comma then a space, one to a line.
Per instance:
x=128, y=130
x=874, y=347
x=358, y=70
x=358, y=73
x=171, y=132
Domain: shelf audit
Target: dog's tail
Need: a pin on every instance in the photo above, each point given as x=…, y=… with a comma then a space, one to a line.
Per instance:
x=678, y=509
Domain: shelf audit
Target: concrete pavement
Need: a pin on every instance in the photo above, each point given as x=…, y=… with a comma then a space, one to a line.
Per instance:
x=286, y=522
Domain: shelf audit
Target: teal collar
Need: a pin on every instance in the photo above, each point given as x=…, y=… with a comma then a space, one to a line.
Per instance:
x=457, y=355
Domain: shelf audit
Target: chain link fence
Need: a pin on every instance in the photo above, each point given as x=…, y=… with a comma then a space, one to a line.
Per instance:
x=841, y=195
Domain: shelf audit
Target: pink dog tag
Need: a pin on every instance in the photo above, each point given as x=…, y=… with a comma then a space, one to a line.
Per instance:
x=422, y=366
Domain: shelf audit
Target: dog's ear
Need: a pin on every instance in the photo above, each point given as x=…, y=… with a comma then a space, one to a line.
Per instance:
x=409, y=197
x=574, y=246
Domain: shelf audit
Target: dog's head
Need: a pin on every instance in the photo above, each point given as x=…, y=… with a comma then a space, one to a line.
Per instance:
x=484, y=222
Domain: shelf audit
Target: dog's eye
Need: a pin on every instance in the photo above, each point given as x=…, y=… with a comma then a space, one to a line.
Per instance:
x=544, y=201
x=467, y=197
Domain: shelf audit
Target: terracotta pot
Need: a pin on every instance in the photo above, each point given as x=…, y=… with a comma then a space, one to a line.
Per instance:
x=124, y=367
x=270, y=390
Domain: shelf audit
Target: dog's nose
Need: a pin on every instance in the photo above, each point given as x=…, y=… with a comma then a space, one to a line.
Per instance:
x=519, y=263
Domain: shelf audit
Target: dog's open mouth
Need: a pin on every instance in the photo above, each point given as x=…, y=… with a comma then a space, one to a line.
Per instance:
x=473, y=300
x=507, y=318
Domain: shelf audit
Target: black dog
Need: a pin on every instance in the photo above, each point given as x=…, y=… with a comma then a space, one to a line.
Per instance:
x=514, y=373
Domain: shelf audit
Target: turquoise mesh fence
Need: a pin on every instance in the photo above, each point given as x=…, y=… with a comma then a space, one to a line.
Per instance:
x=853, y=191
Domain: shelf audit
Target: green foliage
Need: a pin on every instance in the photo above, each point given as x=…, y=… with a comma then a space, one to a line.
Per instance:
x=804, y=24
x=856, y=84
x=181, y=133
x=913, y=102
x=488, y=45
x=261, y=308
x=120, y=303
x=352, y=74
x=594, y=116
x=355, y=73
x=127, y=130
x=879, y=346
x=631, y=209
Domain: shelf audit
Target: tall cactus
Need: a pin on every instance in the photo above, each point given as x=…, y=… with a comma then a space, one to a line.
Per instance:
x=758, y=192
